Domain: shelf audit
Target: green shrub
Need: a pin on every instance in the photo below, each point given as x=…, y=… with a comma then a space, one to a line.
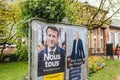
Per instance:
x=13, y=57
x=10, y=57
x=21, y=51
x=51, y=10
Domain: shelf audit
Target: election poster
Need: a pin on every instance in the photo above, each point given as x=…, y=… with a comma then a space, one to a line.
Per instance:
x=51, y=52
x=57, y=51
x=76, y=53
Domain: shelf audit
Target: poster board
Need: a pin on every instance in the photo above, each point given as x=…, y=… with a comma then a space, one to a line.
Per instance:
x=67, y=61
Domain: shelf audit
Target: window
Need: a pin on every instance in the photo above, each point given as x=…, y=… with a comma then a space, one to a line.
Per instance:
x=94, y=43
x=95, y=31
x=112, y=38
x=101, y=32
x=119, y=38
x=101, y=43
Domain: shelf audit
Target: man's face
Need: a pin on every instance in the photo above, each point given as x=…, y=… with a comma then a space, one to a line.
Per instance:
x=52, y=38
x=76, y=35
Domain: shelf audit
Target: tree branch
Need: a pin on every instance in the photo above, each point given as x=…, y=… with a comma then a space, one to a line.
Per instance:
x=96, y=13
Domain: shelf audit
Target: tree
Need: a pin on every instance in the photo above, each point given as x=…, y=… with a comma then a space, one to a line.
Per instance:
x=77, y=13
x=9, y=16
x=52, y=10
x=92, y=17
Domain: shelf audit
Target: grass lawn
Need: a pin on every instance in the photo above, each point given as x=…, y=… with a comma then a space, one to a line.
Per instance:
x=13, y=70
x=109, y=72
x=17, y=70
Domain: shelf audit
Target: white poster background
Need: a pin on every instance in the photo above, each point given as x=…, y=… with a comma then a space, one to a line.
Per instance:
x=69, y=30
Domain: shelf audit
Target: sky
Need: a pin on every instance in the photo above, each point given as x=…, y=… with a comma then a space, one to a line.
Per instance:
x=97, y=2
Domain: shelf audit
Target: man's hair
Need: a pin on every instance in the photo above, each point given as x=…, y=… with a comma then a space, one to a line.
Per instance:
x=53, y=28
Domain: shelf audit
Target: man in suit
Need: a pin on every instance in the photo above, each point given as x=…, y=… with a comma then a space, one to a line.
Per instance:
x=77, y=55
x=52, y=58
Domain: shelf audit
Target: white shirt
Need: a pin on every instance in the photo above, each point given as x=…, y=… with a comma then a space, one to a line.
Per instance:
x=76, y=47
x=49, y=50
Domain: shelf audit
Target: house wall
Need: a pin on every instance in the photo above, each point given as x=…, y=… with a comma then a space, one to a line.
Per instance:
x=114, y=34
x=97, y=41
x=98, y=38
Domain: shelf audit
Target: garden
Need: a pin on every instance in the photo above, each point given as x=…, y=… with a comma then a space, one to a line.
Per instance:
x=103, y=69
x=99, y=69
x=95, y=64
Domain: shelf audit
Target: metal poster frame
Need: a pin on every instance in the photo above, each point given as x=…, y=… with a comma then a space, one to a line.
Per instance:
x=70, y=61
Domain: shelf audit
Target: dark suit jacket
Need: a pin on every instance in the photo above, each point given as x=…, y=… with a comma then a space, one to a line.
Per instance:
x=42, y=70
x=80, y=50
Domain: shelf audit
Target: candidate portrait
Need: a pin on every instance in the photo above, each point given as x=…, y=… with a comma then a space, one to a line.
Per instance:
x=77, y=54
x=51, y=57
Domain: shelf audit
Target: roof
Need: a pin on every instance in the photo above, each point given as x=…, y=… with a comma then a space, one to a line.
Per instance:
x=93, y=6
x=115, y=23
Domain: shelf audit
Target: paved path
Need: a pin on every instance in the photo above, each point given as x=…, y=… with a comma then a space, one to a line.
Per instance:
x=118, y=78
x=116, y=58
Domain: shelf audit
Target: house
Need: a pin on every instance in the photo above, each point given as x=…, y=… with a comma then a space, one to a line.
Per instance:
x=114, y=32
x=108, y=33
x=97, y=40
